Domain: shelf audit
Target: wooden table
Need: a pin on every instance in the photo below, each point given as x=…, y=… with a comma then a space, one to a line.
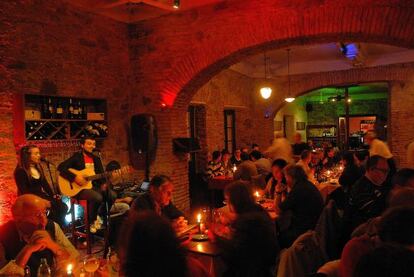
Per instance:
x=209, y=254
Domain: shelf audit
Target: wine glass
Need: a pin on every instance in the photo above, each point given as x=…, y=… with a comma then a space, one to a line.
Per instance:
x=91, y=264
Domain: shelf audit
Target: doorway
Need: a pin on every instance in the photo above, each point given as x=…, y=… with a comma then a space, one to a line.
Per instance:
x=289, y=127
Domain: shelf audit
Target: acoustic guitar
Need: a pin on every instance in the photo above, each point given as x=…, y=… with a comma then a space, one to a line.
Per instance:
x=72, y=188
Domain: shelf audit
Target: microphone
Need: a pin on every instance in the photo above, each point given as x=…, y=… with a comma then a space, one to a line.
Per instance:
x=45, y=160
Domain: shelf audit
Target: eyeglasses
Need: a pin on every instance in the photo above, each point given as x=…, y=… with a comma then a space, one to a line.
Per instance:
x=45, y=213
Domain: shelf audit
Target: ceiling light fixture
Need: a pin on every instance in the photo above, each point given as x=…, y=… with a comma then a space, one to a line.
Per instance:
x=176, y=4
x=265, y=91
x=289, y=98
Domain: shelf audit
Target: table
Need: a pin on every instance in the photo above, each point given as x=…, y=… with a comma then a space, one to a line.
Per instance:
x=327, y=188
x=209, y=254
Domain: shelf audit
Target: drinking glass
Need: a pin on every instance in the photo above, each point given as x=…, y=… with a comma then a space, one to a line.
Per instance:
x=91, y=264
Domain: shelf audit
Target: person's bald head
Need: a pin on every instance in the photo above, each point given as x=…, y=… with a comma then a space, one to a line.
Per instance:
x=30, y=213
x=29, y=203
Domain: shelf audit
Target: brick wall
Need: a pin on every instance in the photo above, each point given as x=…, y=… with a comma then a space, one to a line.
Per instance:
x=172, y=57
x=81, y=54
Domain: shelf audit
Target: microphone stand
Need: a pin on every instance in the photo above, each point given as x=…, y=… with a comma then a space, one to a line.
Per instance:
x=51, y=177
x=107, y=223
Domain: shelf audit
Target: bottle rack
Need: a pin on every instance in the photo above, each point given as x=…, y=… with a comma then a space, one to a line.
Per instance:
x=63, y=125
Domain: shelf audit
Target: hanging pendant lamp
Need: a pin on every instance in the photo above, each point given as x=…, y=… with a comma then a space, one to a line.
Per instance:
x=265, y=91
x=289, y=98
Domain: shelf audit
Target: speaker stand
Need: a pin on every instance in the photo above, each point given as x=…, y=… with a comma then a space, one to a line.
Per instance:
x=147, y=166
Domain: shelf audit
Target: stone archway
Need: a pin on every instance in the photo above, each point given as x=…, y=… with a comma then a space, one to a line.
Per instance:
x=173, y=56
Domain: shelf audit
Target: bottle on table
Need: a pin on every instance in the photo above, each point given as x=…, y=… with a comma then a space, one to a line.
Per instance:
x=59, y=110
x=44, y=269
x=51, y=109
x=70, y=109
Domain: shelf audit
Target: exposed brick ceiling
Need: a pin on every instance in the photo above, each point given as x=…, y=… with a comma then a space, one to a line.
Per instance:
x=130, y=11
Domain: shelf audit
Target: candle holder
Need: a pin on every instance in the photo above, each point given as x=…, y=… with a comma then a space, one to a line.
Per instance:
x=200, y=236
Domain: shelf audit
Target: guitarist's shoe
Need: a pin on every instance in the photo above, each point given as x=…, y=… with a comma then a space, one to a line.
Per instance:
x=96, y=225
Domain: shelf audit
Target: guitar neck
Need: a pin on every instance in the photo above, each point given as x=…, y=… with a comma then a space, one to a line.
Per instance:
x=102, y=175
x=98, y=176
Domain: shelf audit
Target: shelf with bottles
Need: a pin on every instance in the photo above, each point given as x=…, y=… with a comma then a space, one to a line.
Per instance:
x=63, y=118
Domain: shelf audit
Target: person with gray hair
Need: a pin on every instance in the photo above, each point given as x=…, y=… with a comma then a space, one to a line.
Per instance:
x=30, y=237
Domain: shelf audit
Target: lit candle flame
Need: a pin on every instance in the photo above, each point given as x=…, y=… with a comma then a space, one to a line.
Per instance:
x=257, y=194
x=341, y=167
x=328, y=172
x=199, y=218
x=69, y=269
x=234, y=168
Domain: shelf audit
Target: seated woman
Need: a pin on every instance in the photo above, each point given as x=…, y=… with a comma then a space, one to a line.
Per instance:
x=276, y=178
x=214, y=167
x=251, y=247
x=330, y=159
x=149, y=247
x=303, y=203
x=30, y=179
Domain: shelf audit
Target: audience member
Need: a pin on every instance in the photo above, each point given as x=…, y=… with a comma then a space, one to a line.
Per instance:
x=215, y=167
x=225, y=162
x=277, y=179
x=30, y=237
x=330, y=159
x=236, y=159
x=158, y=199
x=251, y=247
x=263, y=165
x=305, y=159
x=149, y=248
x=299, y=145
x=386, y=261
x=246, y=170
x=304, y=203
x=368, y=196
x=255, y=147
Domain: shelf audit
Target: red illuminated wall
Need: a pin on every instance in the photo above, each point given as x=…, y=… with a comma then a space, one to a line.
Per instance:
x=168, y=59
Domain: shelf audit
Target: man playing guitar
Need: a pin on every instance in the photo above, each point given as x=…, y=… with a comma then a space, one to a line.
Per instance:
x=85, y=159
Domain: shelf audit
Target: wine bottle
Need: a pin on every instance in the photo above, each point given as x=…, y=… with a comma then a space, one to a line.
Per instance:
x=44, y=269
x=80, y=112
x=75, y=112
x=45, y=109
x=70, y=109
x=59, y=110
x=51, y=109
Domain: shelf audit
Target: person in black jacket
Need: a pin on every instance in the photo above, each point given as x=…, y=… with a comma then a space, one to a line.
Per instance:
x=79, y=161
x=158, y=199
x=30, y=179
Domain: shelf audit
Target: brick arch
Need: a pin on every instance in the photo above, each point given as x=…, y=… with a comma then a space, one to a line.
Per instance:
x=186, y=50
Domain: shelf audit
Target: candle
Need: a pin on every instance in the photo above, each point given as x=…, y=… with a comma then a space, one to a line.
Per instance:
x=341, y=168
x=199, y=222
x=69, y=270
x=234, y=168
x=257, y=194
x=328, y=173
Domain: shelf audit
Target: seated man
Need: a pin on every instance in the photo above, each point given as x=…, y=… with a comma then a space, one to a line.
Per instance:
x=158, y=199
x=368, y=195
x=30, y=236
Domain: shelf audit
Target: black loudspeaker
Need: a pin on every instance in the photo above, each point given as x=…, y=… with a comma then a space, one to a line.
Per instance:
x=186, y=145
x=144, y=133
x=309, y=107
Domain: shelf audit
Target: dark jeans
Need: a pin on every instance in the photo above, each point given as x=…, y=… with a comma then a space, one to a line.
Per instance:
x=94, y=197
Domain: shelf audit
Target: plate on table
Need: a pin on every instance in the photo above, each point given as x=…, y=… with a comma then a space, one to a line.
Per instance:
x=199, y=237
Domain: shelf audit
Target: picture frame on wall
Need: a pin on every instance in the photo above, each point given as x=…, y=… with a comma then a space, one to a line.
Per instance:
x=300, y=126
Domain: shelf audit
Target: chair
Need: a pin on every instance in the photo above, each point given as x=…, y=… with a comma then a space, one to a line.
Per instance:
x=76, y=233
x=328, y=230
x=304, y=257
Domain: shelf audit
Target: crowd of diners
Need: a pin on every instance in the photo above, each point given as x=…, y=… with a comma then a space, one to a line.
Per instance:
x=373, y=234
